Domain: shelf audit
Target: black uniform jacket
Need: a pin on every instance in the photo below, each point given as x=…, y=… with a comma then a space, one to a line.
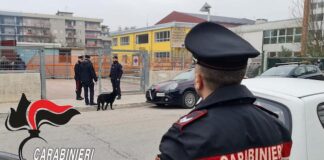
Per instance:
x=87, y=72
x=77, y=71
x=227, y=126
x=116, y=71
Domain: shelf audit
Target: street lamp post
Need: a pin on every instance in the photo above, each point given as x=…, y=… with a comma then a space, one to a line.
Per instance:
x=206, y=8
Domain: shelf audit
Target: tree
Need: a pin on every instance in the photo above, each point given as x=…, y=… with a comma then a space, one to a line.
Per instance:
x=315, y=38
x=285, y=52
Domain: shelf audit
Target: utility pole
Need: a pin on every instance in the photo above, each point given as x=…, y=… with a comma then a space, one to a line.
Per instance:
x=305, y=27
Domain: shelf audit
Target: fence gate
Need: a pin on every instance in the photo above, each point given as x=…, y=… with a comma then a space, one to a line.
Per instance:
x=135, y=69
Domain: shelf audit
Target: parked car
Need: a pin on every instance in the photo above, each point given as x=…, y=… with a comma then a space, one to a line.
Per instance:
x=301, y=110
x=295, y=71
x=179, y=91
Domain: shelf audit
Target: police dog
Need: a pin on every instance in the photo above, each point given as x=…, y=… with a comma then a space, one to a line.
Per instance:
x=107, y=98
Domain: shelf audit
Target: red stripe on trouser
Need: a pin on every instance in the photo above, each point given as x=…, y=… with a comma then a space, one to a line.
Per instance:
x=276, y=152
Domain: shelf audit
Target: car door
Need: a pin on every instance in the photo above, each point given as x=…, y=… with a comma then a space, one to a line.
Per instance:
x=314, y=110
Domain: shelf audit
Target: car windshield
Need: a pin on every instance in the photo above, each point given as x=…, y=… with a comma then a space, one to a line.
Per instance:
x=279, y=71
x=185, y=75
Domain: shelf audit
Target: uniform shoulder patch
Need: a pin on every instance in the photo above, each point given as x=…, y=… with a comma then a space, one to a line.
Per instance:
x=189, y=118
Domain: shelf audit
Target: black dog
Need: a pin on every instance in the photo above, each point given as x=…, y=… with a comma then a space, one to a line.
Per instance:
x=107, y=98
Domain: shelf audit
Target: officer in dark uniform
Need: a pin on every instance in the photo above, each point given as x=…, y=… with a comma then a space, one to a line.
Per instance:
x=87, y=76
x=77, y=71
x=225, y=125
x=116, y=72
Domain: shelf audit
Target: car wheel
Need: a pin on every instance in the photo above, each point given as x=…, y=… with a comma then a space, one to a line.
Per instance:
x=189, y=99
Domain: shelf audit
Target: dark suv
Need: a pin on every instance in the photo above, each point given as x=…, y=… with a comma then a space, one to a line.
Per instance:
x=305, y=71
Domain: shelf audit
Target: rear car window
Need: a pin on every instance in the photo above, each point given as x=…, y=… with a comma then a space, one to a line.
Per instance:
x=311, y=69
x=281, y=110
x=320, y=113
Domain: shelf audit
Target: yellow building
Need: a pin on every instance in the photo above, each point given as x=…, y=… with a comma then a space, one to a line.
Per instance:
x=163, y=42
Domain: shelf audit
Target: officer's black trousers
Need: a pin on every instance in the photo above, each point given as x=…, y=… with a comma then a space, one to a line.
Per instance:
x=116, y=86
x=78, y=88
x=87, y=87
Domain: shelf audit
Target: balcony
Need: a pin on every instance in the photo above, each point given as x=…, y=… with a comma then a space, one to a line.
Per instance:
x=8, y=24
x=93, y=28
x=91, y=36
x=69, y=27
x=36, y=35
x=94, y=45
x=71, y=36
x=8, y=33
x=36, y=25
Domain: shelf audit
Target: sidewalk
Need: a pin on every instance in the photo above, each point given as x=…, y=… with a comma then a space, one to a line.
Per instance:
x=127, y=101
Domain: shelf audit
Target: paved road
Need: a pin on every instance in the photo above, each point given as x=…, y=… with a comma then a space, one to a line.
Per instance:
x=124, y=133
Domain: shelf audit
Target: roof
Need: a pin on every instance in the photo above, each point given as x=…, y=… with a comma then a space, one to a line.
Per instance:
x=155, y=27
x=288, y=86
x=221, y=19
x=258, y=27
x=198, y=18
x=48, y=16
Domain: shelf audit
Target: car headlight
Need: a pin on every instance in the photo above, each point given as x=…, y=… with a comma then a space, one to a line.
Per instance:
x=172, y=86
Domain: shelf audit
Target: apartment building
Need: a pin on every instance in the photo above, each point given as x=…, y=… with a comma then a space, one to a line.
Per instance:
x=63, y=28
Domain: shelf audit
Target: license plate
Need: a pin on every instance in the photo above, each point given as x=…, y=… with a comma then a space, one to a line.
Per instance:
x=160, y=94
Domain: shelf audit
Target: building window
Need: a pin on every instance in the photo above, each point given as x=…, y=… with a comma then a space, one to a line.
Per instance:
x=270, y=37
x=297, y=35
x=274, y=37
x=141, y=39
x=266, y=37
x=282, y=36
x=290, y=35
x=272, y=54
x=162, y=36
x=124, y=41
x=115, y=42
x=162, y=56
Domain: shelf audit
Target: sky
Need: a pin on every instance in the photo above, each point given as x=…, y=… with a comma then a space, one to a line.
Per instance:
x=140, y=13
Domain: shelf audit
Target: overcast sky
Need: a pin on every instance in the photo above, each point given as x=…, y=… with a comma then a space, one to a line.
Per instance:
x=139, y=13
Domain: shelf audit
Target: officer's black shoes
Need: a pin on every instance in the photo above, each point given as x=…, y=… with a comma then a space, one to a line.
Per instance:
x=118, y=98
x=93, y=104
x=79, y=98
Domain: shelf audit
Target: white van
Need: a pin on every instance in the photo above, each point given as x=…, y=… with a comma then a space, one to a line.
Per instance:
x=300, y=106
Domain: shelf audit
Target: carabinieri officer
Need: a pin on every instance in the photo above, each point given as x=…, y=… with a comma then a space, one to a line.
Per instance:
x=225, y=125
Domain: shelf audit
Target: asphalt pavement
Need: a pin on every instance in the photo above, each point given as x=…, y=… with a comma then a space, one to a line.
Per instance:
x=130, y=131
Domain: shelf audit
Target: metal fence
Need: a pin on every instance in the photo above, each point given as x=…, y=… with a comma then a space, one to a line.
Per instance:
x=57, y=65
x=16, y=60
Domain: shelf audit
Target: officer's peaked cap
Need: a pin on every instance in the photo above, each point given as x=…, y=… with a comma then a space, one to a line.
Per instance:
x=216, y=47
x=80, y=57
x=87, y=56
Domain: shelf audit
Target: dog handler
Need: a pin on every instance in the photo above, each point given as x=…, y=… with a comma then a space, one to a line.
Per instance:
x=225, y=125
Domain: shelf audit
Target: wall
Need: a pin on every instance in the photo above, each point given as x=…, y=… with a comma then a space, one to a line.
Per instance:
x=58, y=30
x=12, y=85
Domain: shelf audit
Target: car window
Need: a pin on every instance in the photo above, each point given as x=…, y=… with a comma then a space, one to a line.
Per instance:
x=281, y=110
x=311, y=69
x=320, y=112
x=185, y=75
x=279, y=71
x=300, y=71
